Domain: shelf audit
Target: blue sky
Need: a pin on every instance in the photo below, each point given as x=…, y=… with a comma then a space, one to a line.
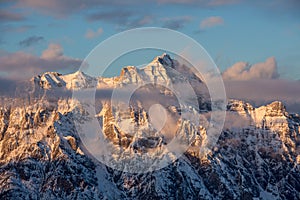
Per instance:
x=230, y=30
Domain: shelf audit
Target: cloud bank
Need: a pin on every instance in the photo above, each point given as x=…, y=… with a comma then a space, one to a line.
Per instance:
x=260, y=92
x=21, y=65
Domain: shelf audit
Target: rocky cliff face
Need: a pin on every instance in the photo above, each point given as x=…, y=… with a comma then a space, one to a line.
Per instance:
x=42, y=157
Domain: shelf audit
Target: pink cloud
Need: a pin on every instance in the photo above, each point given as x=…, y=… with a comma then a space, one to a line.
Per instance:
x=211, y=22
x=10, y=16
x=53, y=51
x=259, y=84
x=244, y=71
x=22, y=65
x=90, y=34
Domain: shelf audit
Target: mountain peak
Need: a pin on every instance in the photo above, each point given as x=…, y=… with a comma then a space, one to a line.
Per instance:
x=156, y=71
x=276, y=108
x=80, y=73
x=52, y=73
x=165, y=59
x=49, y=80
x=79, y=80
x=277, y=105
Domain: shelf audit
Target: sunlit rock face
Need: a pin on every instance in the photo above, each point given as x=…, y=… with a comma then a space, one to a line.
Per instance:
x=42, y=156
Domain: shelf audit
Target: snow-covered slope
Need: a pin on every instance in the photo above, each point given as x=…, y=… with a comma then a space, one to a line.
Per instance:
x=52, y=80
x=162, y=70
x=42, y=157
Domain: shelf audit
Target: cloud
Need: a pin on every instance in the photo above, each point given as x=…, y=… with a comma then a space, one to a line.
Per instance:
x=279, y=8
x=204, y=3
x=139, y=21
x=223, y=2
x=31, y=41
x=58, y=8
x=116, y=16
x=52, y=52
x=7, y=87
x=64, y=8
x=10, y=16
x=122, y=18
x=262, y=91
x=234, y=120
x=16, y=29
x=259, y=84
x=243, y=71
x=22, y=65
x=176, y=23
x=211, y=22
x=90, y=34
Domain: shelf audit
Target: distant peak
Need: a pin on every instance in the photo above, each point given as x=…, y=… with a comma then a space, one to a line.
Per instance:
x=277, y=106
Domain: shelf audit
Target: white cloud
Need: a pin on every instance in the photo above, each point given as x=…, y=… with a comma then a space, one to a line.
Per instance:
x=211, y=22
x=244, y=71
x=90, y=34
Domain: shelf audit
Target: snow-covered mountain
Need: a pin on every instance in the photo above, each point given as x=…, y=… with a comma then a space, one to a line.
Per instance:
x=162, y=70
x=42, y=156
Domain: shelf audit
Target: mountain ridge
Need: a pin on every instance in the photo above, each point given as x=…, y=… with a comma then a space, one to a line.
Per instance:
x=42, y=155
